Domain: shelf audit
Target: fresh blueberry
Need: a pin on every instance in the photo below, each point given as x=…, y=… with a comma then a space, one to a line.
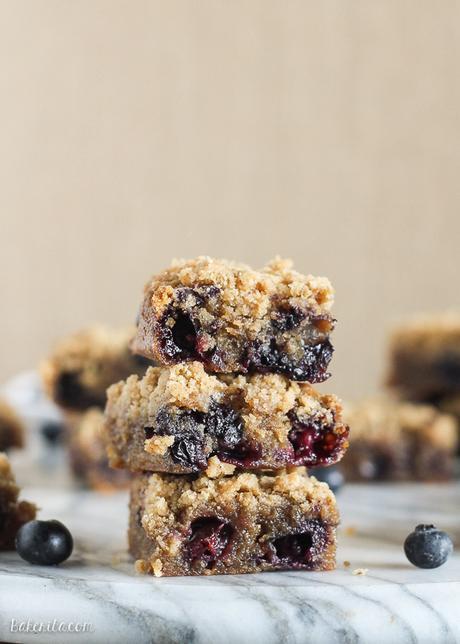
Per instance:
x=427, y=547
x=45, y=543
x=330, y=475
x=52, y=432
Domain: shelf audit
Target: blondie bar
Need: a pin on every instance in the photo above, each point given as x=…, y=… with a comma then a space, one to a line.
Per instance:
x=234, y=319
x=424, y=359
x=82, y=366
x=11, y=428
x=87, y=452
x=13, y=513
x=181, y=525
x=182, y=420
x=399, y=441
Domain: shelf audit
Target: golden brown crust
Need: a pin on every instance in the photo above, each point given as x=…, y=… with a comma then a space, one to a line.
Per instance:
x=259, y=507
x=14, y=513
x=265, y=404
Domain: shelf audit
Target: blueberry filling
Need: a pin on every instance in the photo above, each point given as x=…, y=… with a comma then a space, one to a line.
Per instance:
x=181, y=340
x=190, y=429
x=227, y=426
x=294, y=547
x=208, y=540
x=269, y=356
x=184, y=335
x=314, y=443
x=298, y=550
x=288, y=318
x=69, y=392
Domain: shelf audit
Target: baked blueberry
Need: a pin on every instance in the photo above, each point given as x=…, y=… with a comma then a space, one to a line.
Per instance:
x=208, y=540
x=45, y=543
x=428, y=547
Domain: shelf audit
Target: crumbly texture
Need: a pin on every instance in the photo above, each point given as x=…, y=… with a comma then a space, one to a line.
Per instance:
x=13, y=513
x=235, y=319
x=87, y=452
x=183, y=420
x=82, y=366
x=424, y=358
x=239, y=524
x=11, y=428
x=391, y=440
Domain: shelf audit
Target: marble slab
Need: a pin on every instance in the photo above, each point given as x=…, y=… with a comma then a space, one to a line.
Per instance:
x=394, y=602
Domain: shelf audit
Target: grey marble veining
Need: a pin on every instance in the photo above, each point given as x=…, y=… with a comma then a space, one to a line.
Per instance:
x=394, y=602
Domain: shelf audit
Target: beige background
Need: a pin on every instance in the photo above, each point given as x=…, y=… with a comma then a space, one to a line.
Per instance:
x=135, y=131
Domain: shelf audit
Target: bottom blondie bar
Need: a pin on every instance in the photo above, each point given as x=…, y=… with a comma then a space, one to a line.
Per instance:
x=399, y=441
x=13, y=513
x=242, y=523
x=11, y=430
x=87, y=453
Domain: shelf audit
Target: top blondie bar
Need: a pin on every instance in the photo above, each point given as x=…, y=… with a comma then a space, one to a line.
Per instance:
x=235, y=319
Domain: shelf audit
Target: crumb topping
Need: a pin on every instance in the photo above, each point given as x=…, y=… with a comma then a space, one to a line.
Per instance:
x=166, y=497
x=242, y=288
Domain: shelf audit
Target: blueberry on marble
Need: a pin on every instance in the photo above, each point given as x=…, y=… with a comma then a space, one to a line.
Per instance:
x=52, y=431
x=330, y=475
x=428, y=547
x=45, y=543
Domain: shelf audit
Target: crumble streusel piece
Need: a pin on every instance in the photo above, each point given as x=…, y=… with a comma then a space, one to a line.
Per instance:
x=235, y=319
x=245, y=523
x=182, y=420
x=83, y=365
x=393, y=440
x=88, y=455
x=424, y=358
x=11, y=428
x=13, y=513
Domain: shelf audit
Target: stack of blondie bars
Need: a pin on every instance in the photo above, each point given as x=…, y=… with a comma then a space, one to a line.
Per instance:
x=219, y=433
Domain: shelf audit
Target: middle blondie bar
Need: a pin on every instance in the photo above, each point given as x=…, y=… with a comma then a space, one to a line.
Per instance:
x=183, y=420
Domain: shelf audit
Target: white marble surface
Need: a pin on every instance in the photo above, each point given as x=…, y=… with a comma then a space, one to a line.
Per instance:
x=394, y=602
